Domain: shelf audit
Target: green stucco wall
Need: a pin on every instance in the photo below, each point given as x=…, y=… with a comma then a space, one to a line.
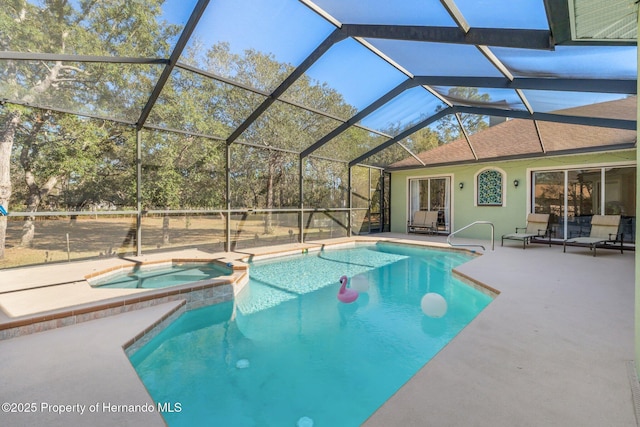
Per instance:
x=504, y=218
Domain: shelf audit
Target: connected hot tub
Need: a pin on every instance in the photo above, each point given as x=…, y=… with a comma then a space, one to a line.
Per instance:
x=160, y=275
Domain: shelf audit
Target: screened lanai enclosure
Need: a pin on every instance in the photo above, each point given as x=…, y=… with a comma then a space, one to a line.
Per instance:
x=129, y=127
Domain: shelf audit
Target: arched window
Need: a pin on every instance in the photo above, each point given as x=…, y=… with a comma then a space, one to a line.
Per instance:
x=490, y=186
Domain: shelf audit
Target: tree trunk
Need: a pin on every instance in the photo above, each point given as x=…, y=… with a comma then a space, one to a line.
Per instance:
x=6, y=145
x=33, y=200
x=36, y=194
x=165, y=229
x=28, y=232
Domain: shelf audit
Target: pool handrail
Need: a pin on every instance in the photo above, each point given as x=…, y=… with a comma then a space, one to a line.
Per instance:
x=467, y=226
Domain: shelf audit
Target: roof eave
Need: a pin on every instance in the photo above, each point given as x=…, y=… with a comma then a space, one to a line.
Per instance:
x=573, y=151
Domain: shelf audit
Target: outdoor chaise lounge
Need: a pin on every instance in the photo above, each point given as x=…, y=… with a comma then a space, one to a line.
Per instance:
x=604, y=232
x=424, y=221
x=537, y=225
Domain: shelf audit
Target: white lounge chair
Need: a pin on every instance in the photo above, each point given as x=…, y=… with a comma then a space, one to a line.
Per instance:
x=604, y=232
x=537, y=226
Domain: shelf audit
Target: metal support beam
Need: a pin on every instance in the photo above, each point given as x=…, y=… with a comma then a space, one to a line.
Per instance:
x=502, y=37
x=256, y=91
x=456, y=15
x=54, y=57
x=402, y=135
x=65, y=111
x=220, y=78
x=184, y=132
x=524, y=100
x=549, y=117
x=227, y=196
x=349, y=200
x=407, y=84
x=585, y=150
x=552, y=84
x=466, y=135
x=411, y=153
x=301, y=192
x=369, y=202
x=596, y=85
x=495, y=61
x=138, y=192
x=335, y=37
x=535, y=123
x=545, y=117
x=173, y=60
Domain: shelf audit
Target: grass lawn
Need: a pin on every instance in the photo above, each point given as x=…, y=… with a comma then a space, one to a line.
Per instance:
x=61, y=239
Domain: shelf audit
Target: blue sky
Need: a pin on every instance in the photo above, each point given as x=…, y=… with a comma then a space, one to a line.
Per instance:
x=289, y=31
x=504, y=13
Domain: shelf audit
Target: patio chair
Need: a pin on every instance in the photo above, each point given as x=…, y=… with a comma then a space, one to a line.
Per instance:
x=604, y=232
x=537, y=226
x=424, y=221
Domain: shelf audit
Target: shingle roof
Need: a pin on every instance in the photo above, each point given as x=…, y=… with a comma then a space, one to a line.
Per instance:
x=519, y=138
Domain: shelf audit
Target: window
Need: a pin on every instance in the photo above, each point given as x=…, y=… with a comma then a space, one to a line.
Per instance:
x=573, y=196
x=490, y=185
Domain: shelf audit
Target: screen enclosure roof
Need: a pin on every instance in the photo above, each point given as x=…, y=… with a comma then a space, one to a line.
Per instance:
x=356, y=79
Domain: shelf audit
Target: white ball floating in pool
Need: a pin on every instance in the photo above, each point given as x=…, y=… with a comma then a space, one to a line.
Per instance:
x=305, y=422
x=433, y=305
x=242, y=363
x=360, y=283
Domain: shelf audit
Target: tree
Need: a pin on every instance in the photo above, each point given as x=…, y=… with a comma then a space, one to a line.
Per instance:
x=181, y=172
x=448, y=126
x=446, y=130
x=67, y=161
x=86, y=27
x=423, y=140
x=6, y=144
x=259, y=175
x=87, y=163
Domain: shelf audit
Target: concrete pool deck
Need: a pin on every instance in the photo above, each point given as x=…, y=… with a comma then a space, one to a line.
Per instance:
x=555, y=348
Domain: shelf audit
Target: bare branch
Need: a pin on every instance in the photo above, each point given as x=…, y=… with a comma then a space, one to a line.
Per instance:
x=72, y=68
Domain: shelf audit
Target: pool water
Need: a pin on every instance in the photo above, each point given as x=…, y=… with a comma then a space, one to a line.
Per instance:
x=162, y=277
x=290, y=351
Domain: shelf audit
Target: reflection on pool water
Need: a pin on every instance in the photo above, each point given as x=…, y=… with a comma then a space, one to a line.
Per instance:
x=289, y=351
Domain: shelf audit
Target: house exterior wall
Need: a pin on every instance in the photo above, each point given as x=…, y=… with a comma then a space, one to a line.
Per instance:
x=516, y=202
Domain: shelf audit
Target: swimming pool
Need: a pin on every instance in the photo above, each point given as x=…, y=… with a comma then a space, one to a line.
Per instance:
x=155, y=276
x=288, y=351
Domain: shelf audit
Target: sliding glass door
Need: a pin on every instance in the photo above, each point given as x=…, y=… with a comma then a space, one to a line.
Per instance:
x=620, y=198
x=573, y=196
x=432, y=194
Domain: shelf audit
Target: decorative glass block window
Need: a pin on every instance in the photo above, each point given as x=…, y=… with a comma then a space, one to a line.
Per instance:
x=490, y=188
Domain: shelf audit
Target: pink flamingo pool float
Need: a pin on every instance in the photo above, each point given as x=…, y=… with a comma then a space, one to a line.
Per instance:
x=344, y=294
